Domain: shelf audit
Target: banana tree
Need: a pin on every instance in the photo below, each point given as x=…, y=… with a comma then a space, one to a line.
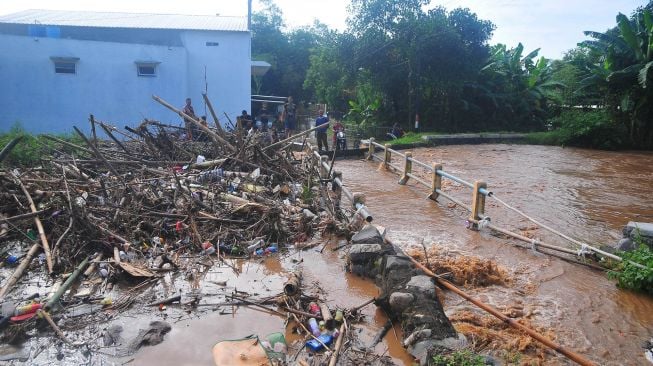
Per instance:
x=625, y=73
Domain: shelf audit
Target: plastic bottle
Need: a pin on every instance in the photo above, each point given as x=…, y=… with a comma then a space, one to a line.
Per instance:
x=313, y=308
x=315, y=329
x=12, y=259
x=338, y=316
x=316, y=346
x=257, y=244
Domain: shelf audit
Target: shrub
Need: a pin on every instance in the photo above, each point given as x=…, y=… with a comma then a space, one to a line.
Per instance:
x=31, y=149
x=583, y=128
x=632, y=277
x=459, y=358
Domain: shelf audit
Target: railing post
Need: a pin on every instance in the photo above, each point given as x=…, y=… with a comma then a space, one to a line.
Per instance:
x=408, y=168
x=478, y=203
x=337, y=188
x=358, y=198
x=323, y=172
x=370, y=150
x=436, y=181
x=387, y=157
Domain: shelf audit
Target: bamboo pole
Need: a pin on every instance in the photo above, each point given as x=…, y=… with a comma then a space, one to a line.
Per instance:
x=214, y=136
x=10, y=146
x=11, y=281
x=295, y=136
x=66, y=285
x=54, y=326
x=23, y=216
x=215, y=116
x=339, y=343
x=99, y=155
x=39, y=226
x=579, y=359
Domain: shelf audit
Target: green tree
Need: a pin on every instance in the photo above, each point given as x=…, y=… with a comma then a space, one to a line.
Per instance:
x=624, y=73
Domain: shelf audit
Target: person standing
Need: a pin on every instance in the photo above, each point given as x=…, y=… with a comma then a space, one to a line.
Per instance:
x=321, y=132
x=189, y=111
x=289, y=117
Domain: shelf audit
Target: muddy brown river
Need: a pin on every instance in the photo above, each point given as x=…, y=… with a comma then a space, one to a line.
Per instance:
x=586, y=194
x=589, y=195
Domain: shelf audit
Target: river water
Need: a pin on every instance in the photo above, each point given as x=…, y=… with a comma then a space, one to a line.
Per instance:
x=587, y=194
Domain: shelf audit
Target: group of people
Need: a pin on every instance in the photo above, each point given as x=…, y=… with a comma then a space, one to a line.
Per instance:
x=283, y=123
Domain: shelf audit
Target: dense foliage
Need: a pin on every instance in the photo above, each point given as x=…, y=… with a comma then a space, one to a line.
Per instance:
x=631, y=276
x=402, y=58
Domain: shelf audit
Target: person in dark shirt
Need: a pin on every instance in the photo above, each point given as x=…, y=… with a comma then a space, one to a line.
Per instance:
x=245, y=121
x=190, y=126
x=321, y=133
x=289, y=117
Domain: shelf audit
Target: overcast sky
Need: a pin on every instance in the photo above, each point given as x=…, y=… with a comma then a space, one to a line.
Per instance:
x=553, y=25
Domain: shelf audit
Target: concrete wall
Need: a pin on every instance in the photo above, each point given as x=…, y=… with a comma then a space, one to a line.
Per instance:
x=106, y=83
x=228, y=71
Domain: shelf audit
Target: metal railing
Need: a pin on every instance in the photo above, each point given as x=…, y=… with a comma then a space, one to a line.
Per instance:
x=479, y=188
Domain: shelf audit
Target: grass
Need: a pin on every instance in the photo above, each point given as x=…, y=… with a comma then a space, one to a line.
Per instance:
x=410, y=138
x=31, y=148
x=459, y=358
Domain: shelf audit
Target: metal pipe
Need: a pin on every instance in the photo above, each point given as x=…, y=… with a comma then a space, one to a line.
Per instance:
x=394, y=166
x=454, y=200
x=362, y=210
x=397, y=152
x=419, y=180
x=442, y=173
x=425, y=166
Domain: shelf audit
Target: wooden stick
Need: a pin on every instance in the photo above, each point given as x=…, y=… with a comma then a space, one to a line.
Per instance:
x=99, y=155
x=92, y=120
x=326, y=315
x=214, y=136
x=23, y=216
x=295, y=136
x=579, y=359
x=215, y=116
x=91, y=267
x=339, y=342
x=357, y=308
x=54, y=326
x=11, y=281
x=39, y=226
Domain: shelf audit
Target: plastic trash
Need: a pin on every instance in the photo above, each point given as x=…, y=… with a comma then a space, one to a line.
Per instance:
x=259, y=252
x=314, y=327
x=316, y=346
x=338, y=316
x=11, y=259
x=256, y=245
x=313, y=308
x=200, y=159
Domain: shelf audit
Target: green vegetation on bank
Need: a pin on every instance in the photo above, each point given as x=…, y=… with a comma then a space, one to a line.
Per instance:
x=632, y=277
x=584, y=128
x=31, y=149
x=459, y=358
x=396, y=61
x=409, y=138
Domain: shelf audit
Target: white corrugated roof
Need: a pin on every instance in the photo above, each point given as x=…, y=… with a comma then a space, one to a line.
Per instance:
x=126, y=20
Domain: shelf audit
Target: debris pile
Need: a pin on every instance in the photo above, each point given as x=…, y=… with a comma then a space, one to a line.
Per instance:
x=125, y=211
x=468, y=271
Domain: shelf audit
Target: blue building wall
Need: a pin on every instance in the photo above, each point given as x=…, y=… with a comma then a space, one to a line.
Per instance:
x=106, y=83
